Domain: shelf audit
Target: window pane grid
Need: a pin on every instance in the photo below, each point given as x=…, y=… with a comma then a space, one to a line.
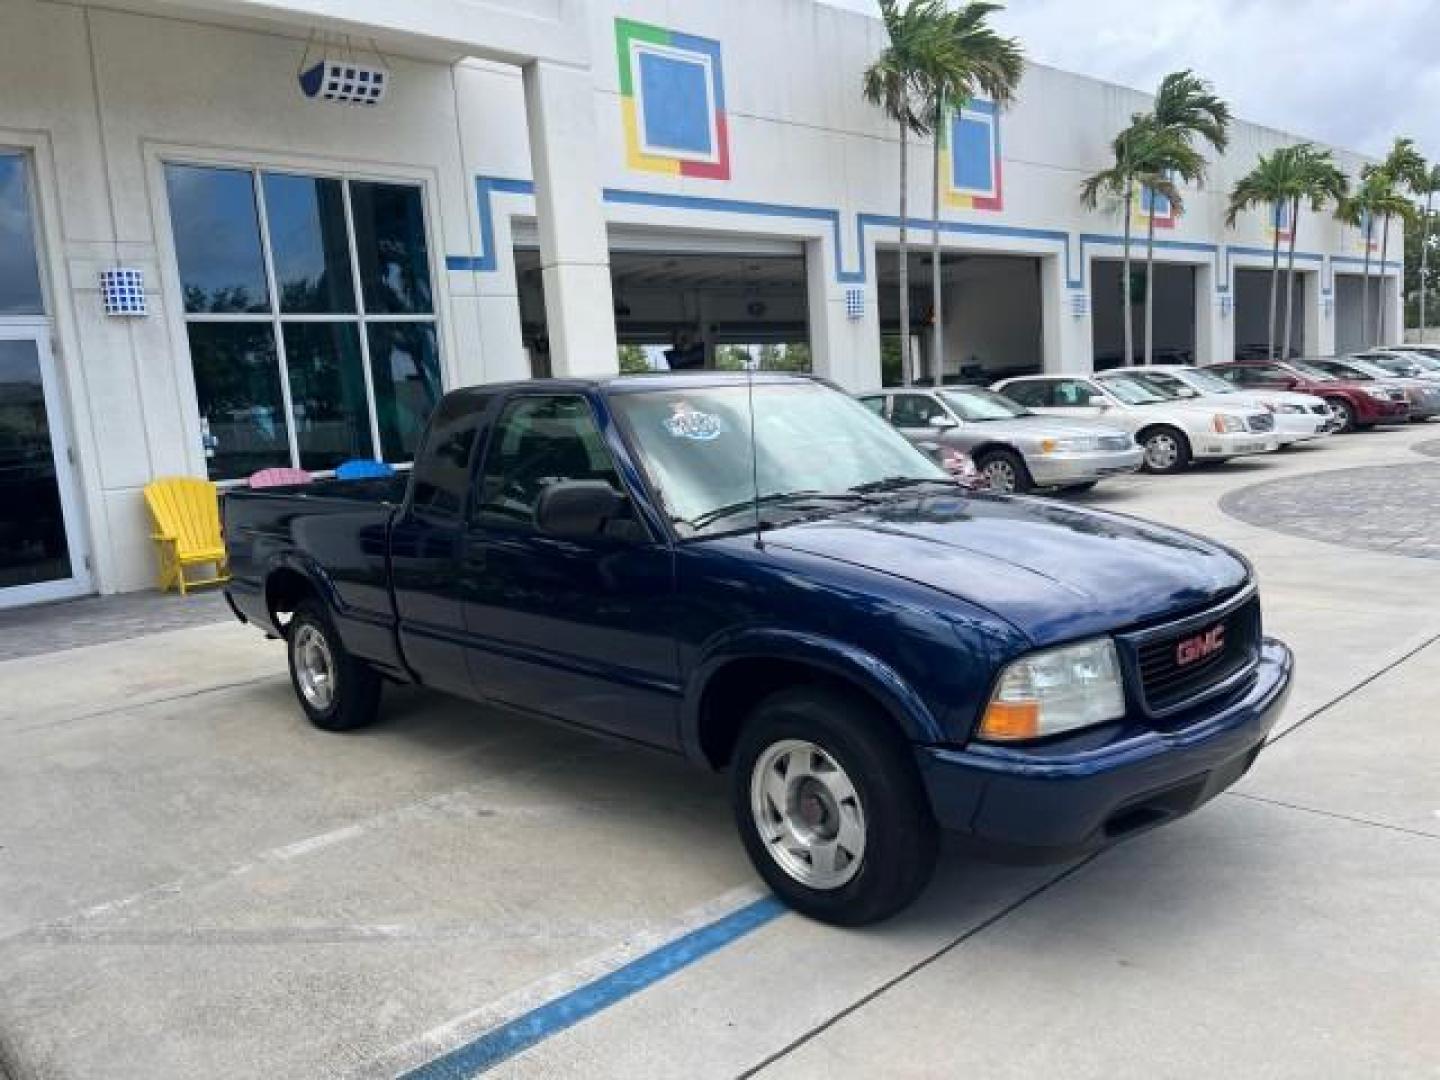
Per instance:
x=408, y=264
x=274, y=314
x=364, y=330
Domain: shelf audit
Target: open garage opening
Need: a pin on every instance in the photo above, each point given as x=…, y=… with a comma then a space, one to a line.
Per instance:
x=991, y=309
x=1173, y=318
x=1252, y=314
x=690, y=302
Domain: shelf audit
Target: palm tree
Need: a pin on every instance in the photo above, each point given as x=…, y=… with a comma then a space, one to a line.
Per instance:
x=1142, y=158
x=1187, y=107
x=1430, y=185
x=975, y=60
x=1276, y=181
x=1402, y=167
x=895, y=83
x=1321, y=182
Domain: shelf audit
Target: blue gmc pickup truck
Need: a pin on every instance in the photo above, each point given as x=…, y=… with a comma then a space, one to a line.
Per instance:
x=765, y=577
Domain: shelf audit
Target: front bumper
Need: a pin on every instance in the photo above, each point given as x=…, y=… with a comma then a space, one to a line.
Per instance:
x=1233, y=444
x=1375, y=411
x=1038, y=804
x=1057, y=470
x=1296, y=427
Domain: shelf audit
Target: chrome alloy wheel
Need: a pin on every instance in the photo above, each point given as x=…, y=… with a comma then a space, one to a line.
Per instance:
x=314, y=667
x=1162, y=451
x=1001, y=475
x=808, y=814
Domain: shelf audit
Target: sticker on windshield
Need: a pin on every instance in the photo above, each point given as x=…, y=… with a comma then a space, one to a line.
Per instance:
x=690, y=423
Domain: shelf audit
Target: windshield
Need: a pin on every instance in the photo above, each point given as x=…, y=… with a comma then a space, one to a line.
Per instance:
x=1164, y=384
x=978, y=404
x=1310, y=371
x=812, y=443
x=1369, y=367
x=1208, y=382
x=1398, y=365
x=1130, y=390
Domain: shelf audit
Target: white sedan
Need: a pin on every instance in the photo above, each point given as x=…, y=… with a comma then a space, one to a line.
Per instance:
x=1298, y=417
x=1173, y=433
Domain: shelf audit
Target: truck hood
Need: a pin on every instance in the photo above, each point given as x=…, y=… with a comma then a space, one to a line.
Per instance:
x=1054, y=572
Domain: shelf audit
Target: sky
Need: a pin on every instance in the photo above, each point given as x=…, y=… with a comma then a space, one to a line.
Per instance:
x=1354, y=73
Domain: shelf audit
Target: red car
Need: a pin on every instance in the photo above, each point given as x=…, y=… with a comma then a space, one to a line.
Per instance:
x=1355, y=404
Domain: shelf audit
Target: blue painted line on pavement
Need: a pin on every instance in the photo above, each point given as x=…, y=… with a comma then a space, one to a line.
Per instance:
x=503, y=1042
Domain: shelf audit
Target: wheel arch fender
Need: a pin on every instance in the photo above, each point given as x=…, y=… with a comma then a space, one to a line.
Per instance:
x=778, y=653
x=283, y=576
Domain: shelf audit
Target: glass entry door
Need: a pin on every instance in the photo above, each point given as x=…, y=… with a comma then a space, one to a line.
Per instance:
x=40, y=554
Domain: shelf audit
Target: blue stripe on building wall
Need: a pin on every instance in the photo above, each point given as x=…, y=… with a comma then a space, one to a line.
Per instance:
x=486, y=187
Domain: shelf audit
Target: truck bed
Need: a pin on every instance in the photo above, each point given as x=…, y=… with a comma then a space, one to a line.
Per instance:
x=340, y=528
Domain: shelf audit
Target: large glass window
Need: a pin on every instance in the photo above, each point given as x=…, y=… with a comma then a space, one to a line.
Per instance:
x=19, y=265
x=310, y=313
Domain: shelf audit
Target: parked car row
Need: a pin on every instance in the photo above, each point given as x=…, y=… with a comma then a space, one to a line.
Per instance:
x=1068, y=432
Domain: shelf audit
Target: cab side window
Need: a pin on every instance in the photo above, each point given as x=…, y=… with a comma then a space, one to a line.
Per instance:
x=442, y=468
x=538, y=441
x=915, y=410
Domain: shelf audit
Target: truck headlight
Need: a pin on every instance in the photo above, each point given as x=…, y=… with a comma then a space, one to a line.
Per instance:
x=1223, y=422
x=1055, y=690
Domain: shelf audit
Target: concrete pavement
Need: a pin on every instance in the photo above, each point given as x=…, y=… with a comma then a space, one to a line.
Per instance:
x=193, y=882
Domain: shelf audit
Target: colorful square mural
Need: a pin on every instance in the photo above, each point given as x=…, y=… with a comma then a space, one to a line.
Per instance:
x=1278, y=227
x=672, y=101
x=1147, y=204
x=970, y=157
x=1365, y=235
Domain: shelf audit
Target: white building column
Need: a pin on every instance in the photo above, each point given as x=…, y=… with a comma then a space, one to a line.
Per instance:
x=1066, y=340
x=843, y=349
x=574, y=252
x=1319, y=316
x=1214, y=326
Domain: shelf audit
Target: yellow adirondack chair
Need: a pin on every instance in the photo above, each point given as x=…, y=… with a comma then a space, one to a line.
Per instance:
x=186, y=512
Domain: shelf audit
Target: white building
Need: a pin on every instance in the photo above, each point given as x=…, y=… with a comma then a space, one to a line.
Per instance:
x=539, y=177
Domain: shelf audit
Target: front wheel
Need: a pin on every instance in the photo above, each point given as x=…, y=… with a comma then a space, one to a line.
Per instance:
x=1006, y=472
x=1344, y=413
x=1166, y=450
x=337, y=691
x=831, y=809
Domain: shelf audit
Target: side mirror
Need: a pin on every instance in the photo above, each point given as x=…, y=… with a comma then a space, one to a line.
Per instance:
x=1184, y=392
x=943, y=422
x=577, y=508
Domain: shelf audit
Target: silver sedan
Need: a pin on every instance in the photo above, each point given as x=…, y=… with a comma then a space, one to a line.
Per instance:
x=1015, y=449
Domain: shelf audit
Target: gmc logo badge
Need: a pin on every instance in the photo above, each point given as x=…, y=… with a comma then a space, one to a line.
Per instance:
x=1206, y=643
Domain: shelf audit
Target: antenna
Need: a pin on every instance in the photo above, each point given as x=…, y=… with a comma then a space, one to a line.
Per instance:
x=754, y=451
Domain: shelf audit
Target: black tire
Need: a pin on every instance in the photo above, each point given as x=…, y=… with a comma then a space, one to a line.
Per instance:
x=1346, y=413
x=1152, y=438
x=1007, y=465
x=900, y=834
x=354, y=697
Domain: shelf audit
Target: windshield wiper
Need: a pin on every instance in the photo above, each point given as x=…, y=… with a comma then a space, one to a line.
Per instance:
x=711, y=516
x=897, y=483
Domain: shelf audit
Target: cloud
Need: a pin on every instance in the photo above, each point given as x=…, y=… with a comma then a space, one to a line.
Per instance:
x=1354, y=73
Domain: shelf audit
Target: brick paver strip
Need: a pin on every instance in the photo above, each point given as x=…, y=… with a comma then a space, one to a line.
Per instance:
x=1389, y=508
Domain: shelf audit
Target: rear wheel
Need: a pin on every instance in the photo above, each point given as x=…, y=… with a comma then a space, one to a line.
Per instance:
x=337, y=691
x=831, y=809
x=1006, y=471
x=1344, y=413
x=1167, y=450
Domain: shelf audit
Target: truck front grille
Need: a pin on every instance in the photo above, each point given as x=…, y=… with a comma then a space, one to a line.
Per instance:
x=1179, y=665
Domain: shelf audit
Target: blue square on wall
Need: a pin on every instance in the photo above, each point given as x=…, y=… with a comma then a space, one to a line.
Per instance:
x=971, y=163
x=676, y=103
